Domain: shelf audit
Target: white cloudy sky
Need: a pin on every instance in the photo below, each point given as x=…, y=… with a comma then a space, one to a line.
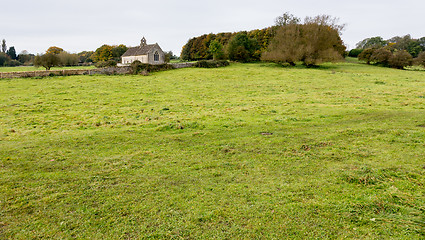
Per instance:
x=80, y=25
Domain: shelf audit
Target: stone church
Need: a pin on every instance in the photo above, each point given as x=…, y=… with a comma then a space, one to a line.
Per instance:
x=145, y=53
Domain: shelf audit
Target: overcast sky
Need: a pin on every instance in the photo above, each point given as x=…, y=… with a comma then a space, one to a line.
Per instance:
x=80, y=25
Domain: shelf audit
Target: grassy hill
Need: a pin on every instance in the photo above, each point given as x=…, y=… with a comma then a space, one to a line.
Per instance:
x=250, y=151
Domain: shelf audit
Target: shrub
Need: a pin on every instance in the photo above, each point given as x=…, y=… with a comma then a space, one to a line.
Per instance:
x=105, y=64
x=355, y=52
x=400, y=60
x=420, y=60
x=138, y=67
x=366, y=55
x=212, y=64
x=381, y=56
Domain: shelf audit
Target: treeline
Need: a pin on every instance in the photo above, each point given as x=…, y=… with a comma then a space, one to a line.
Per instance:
x=396, y=52
x=105, y=55
x=313, y=41
x=9, y=58
x=255, y=42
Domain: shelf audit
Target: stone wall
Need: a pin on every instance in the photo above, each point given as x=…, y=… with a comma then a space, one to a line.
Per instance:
x=69, y=72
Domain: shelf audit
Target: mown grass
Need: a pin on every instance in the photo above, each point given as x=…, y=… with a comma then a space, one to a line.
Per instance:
x=250, y=151
x=32, y=68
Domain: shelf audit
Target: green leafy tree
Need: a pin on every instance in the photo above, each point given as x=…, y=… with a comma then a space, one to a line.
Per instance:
x=373, y=42
x=242, y=48
x=355, y=52
x=118, y=51
x=216, y=48
x=47, y=60
x=12, y=53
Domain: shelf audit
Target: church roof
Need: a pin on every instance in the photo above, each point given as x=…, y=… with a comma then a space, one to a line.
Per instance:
x=139, y=50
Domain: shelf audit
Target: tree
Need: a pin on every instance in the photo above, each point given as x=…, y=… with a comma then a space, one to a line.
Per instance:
x=103, y=53
x=68, y=59
x=374, y=42
x=3, y=59
x=26, y=58
x=85, y=56
x=118, y=51
x=420, y=60
x=381, y=56
x=216, y=48
x=47, y=61
x=316, y=41
x=12, y=53
x=54, y=50
x=355, y=52
x=366, y=55
x=286, y=19
x=3, y=46
x=400, y=59
x=242, y=48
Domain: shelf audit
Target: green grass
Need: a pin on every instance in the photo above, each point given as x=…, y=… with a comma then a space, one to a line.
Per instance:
x=250, y=151
x=31, y=68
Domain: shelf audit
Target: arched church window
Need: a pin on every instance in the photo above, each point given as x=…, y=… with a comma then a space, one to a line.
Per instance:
x=156, y=57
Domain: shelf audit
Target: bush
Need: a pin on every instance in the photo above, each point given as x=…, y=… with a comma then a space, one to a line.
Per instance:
x=366, y=55
x=105, y=64
x=211, y=64
x=13, y=63
x=381, y=56
x=400, y=60
x=138, y=67
x=420, y=60
x=355, y=52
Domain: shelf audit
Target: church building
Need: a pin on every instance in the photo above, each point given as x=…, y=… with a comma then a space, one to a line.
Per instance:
x=145, y=53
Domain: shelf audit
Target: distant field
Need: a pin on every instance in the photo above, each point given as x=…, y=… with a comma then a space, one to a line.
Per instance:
x=31, y=68
x=250, y=151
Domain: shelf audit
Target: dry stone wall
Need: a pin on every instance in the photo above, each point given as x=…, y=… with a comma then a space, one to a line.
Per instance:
x=69, y=72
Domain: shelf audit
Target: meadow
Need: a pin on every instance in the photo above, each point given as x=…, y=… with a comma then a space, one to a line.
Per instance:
x=249, y=151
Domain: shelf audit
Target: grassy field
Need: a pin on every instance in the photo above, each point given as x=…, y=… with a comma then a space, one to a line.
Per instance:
x=32, y=68
x=250, y=151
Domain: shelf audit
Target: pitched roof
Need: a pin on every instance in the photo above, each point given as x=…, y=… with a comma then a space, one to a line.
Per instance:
x=140, y=50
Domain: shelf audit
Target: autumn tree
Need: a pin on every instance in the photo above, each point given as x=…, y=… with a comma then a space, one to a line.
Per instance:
x=54, y=50
x=400, y=60
x=381, y=56
x=420, y=60
x=366, y=55
x=315, y=41
x=103, y=53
